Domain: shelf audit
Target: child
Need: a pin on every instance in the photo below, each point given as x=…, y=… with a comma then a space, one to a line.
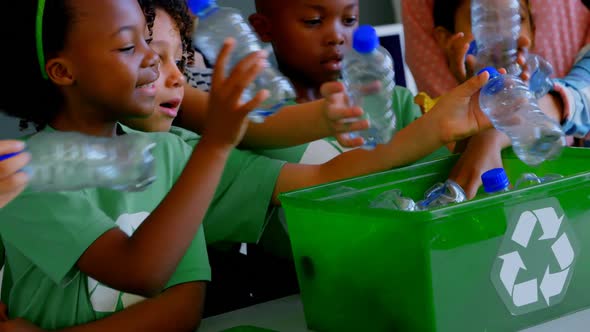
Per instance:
x=483, y=151
x=452, y=21
x=567, y=19
x=323, y=33
x=572, y=96
x=12, y=182
x=77, y=259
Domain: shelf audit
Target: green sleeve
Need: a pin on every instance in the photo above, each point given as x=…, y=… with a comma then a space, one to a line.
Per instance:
x=239, y=209
x=53, y=229
x=194, y=265
x=243, y=198
x=406, y=111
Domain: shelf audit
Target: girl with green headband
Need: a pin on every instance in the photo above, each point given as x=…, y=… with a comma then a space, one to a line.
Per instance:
x=76, y=259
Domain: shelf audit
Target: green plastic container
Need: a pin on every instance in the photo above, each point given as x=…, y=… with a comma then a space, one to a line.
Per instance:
x=366, y=269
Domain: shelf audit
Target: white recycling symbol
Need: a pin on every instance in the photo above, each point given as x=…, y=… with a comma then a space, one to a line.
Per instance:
x=104, y=298
x=549, y=284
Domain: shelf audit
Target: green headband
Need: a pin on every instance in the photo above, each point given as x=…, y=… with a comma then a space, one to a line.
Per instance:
x=39, y=37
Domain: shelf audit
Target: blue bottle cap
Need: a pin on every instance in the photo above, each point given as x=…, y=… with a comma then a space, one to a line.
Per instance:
x=495, y=180
x=492, y=71
x=472, y=48
x=365, y=39
x=198, y=6
x=8, y=156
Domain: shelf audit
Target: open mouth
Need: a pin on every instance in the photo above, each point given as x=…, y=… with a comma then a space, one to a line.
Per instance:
x=170, y=107
x=146, y=86
x=170, y=104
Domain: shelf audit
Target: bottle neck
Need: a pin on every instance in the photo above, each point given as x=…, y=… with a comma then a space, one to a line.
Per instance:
x=212, y=9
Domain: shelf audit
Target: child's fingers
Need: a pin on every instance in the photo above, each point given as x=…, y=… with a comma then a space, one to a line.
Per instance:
x=330, y=88
x=260, y=97
x=10, y=146
x=346, y=141
x=473, y=85
x=3, y=312
x=339, y=113
x=523, y=43
x=350, y=126
x=14, y=164
x=14, y=183
x=243, y=75
x=218, y=75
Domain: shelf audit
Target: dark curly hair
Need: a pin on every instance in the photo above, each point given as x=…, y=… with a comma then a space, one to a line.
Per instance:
x=178, y=10
x=21, y=71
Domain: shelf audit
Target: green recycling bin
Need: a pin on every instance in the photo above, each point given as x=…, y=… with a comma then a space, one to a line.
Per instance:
x=496, y=263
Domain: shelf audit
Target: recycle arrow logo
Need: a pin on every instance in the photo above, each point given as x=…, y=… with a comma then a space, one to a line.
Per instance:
x=540, y=280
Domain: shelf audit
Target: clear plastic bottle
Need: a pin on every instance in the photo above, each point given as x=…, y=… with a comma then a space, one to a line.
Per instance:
x=367, y=71
x=540, y=71
x=66, y=161
x=495, y=181
x=496, y=27
x=512, y=109
x=219, y=23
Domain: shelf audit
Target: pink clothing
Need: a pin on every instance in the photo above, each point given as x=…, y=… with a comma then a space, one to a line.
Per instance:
x=562, y=29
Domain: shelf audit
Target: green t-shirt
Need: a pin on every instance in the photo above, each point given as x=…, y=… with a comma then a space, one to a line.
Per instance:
x=46, y=233
x=242, y=200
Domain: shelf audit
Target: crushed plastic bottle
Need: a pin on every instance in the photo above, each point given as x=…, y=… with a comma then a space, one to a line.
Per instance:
x=531, y=179
x=440, y=194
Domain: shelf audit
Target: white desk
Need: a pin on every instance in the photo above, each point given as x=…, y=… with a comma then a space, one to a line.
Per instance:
x=286, y=315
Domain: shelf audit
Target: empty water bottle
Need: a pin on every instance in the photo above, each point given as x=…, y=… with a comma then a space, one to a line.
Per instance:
x=368, y=73
x=216, y=24
x=512, y=109
x=540, y=71
x=495, y=181
x=66, y=161
x=496, y=27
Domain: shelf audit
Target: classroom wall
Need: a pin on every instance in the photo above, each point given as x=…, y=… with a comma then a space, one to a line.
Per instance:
x=374, y=12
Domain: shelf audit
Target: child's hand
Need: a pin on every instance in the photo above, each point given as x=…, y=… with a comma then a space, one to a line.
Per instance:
x=483, y=152
x=226, y=116
x=3, y=312
x=523, y=50
x=458, y=112
x=18, y=325
x=12, y=182
x=341, y=118
x=460, y=64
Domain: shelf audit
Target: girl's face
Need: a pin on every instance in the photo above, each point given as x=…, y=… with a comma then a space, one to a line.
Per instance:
x=111, y=69
x=170, y=85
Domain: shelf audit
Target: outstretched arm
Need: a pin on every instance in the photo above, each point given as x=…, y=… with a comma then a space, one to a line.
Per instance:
x=455, y=116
